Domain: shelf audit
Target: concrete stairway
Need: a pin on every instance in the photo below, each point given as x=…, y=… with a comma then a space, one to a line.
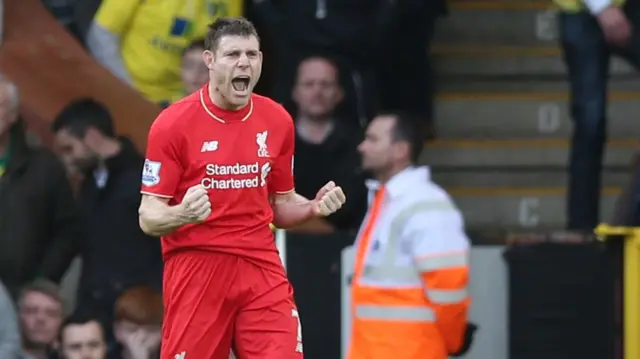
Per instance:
x=502, y=116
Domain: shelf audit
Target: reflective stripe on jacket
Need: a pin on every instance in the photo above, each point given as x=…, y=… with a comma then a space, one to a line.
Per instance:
x=409, y=291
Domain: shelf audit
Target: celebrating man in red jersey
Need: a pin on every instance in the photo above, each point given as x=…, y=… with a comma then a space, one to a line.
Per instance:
x=218, y=171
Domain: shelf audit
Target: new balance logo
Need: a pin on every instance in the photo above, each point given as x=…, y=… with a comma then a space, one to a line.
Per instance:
x=182, y=355
x=208, y=146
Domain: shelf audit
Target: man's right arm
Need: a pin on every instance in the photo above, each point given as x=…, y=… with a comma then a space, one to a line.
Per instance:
x=158, y=218
x=161, y=174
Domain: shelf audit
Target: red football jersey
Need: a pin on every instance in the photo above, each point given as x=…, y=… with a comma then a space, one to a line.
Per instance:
x=239, y=156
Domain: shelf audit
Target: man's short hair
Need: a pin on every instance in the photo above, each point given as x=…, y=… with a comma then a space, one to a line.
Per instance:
x=80, y=319
x=195, y=45
x=141, y=305
x=326, y=59
x=42, y=286
x=228, y=26
x=83, y=114
x=408, y=128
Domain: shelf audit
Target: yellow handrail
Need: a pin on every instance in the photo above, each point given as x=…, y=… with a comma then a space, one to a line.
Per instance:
x=631, y=284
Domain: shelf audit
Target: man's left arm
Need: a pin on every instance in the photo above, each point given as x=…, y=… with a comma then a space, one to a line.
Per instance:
x=440, y=250
x=65, y=229
x=290, y=208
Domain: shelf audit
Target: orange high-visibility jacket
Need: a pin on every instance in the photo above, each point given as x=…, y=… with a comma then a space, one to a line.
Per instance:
x=409, y=289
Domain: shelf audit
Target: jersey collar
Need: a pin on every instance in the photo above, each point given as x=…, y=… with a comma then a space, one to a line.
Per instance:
x=222, y=115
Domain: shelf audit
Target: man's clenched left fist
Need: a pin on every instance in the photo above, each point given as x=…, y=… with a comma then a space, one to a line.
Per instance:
x=329, y=199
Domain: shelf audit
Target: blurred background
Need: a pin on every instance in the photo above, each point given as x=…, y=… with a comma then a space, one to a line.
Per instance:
x=529, y=113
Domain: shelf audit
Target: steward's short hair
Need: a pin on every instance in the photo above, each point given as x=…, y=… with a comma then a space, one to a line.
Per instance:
x=408, y=128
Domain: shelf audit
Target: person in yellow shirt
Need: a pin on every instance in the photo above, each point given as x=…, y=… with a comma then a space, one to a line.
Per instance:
x=193, y=72
x=590, y=33
x=142, y=42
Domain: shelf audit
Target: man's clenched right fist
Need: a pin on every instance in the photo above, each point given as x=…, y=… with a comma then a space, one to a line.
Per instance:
x=195, y=204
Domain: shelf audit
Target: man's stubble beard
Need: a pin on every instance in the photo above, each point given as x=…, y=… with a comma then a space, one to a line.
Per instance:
x=88, y=164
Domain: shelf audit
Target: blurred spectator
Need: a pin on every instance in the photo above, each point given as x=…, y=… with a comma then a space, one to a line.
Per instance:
x=63, y=11
x=142, y=42
x=405, y=48
x=9, y=333
x=346, y=31
x=116, y=253
x=82, y=338
x=41, y=312
x=138, y=323
x=590, y=33
x=326, y=144
x=193, y=72
x=39, y=228
x=83, y=14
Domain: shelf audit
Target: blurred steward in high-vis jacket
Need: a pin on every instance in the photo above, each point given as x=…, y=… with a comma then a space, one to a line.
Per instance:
x=409, y=289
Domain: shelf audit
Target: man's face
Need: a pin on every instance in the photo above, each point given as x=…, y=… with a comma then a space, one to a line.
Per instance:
x=40, y=319
x=317, y=92
x=235, y=68
x=8, y=112
x=377, y=149
x=75, y=153
x=83, y=341
x=194, y=72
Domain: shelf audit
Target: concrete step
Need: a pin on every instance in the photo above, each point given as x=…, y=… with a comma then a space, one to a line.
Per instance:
x=524, y=114
x=508, y=60
x=499, y=22
x=522, y=154
x=484, y=87
x=501, y=177
x=520, y=207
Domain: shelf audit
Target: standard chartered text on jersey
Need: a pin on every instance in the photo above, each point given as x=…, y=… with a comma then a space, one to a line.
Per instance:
x=225, y=176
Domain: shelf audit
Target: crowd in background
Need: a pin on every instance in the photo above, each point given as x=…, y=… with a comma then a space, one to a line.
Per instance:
x=41, y=327
x=324, y=72
x=331, y=63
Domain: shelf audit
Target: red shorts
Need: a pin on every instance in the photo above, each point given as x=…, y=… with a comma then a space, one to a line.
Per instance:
x=215, y=302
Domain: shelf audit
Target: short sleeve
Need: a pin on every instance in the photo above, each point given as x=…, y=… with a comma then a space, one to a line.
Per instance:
x=116, y=15
x=281, y=181
x=162, y=168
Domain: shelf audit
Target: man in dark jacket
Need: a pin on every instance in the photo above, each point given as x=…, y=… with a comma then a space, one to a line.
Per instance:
x=347, y=31
x=39, y=228
x=405, y=73
x=325, y=144
x=380, y=47
x=116, y=254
